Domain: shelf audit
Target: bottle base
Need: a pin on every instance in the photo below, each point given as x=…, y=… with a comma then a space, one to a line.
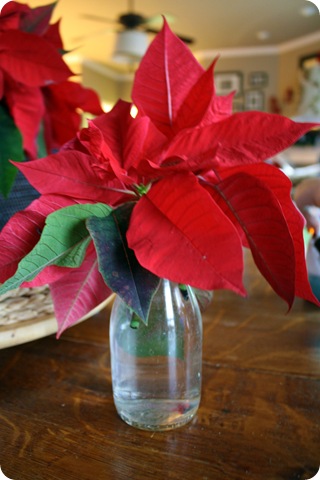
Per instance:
x=156, y=415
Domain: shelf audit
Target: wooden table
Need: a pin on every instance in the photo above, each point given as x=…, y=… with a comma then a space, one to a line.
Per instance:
x=259, y=417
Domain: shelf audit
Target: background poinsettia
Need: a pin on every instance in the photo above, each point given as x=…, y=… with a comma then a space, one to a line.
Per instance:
x=176, y=192
x=37, y=99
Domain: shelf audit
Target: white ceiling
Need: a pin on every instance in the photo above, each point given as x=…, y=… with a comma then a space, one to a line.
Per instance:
x=214, y=24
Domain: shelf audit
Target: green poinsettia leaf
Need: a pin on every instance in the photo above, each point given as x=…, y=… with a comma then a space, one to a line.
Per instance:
x=118, y=264
x=63, y=242
x=11, y=148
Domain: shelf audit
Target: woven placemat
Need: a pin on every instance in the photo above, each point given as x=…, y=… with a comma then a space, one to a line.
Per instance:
x=27, y=314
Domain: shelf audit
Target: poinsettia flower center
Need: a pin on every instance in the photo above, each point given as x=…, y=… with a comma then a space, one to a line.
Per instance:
x=142, y=189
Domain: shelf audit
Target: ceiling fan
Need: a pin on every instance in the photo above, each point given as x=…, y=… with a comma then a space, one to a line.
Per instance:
x=132, y=40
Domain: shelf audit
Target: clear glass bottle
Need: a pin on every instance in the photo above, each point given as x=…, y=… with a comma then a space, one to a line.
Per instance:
x=156, y=369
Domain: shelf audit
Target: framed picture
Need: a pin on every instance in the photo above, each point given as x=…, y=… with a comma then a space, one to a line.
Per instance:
x=258, y=79
x=227, y=82
x=254, y=100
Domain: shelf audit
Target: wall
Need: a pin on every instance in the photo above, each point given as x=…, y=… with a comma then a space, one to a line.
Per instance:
x=279, y=63
x=109, y=84
x=289, y=74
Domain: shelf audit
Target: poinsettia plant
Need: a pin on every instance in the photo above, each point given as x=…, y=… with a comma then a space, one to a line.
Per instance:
x=175, y=193
x=39, y=104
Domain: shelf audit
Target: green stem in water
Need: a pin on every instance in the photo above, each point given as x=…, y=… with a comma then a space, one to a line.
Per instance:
x=135, y=321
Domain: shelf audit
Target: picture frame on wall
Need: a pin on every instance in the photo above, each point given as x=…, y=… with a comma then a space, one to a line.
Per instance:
x=254, y=100
x=227, y=82
x=258, y=79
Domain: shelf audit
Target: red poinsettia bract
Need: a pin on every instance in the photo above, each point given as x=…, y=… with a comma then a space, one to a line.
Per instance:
x=178, y=191
x=35, y=88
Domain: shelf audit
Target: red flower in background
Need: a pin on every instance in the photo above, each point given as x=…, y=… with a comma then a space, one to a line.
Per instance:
x=34, y=86
x=176, y=192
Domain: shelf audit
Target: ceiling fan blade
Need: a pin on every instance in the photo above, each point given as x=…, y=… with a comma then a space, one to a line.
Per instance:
x=185, y=39
x=156, y=21
x=98, y=18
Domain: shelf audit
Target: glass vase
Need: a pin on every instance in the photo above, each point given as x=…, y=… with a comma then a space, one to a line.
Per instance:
x=156, y=369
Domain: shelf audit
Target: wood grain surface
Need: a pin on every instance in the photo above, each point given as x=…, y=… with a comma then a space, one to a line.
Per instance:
x=259, y=417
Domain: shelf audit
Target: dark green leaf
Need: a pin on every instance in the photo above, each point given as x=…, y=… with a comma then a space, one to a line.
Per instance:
x=38, y=19
x=42, y=149
x=11, y=149
x=118, y=264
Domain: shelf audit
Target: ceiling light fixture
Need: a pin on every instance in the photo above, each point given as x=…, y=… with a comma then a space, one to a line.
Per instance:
x=263, y=35
x=308, y=10
x=130, y=46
